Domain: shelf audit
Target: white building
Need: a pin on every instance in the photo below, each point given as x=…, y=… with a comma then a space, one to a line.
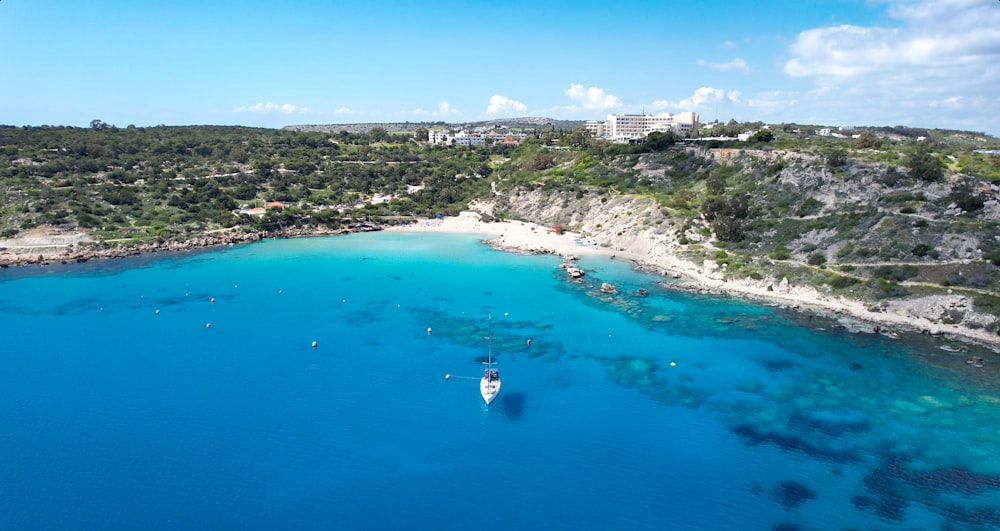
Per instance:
x=628, y=127
x=465, y=139
x=462, y=138
x=437, y=137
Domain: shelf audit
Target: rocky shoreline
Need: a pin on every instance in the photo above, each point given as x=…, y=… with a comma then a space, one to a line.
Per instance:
x=920, y=316
x=86, y=251
x=849, y=316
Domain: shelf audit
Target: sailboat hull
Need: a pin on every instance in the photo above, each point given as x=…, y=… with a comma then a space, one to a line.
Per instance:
x=489, y=388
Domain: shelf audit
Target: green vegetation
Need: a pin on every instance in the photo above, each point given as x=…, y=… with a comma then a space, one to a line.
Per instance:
x=923, y=165
x=171, y=181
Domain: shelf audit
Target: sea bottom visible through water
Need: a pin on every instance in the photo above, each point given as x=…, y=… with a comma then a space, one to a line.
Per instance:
x=301, y=384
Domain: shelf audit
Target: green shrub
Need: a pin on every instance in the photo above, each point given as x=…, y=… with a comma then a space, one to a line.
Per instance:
x=893, y=272
x=842, y=281
x=882, y=288
x=865, y=252
x=923, y=164
x=808, y=207
x=987, y=303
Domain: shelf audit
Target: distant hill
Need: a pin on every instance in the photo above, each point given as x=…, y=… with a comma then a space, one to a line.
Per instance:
x=409, y=127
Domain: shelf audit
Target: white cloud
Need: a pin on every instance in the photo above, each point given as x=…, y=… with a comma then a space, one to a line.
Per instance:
x=934, y=51
x=592, y=98
x=772, y=101
x=962, y=103
x=343, y=110
x=502, y=104
x=737, y=64
x=701, y=98
x=444, y=110
x=261, y=107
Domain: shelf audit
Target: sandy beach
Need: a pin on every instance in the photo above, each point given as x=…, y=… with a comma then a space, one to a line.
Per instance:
x=519, y=236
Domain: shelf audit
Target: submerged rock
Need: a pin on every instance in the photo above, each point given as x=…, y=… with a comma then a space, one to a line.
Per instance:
x=791, y=494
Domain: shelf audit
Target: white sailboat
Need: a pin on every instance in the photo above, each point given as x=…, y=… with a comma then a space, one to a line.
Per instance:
x=489, y=384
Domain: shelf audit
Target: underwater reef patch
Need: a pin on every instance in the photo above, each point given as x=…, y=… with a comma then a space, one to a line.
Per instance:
x=753, y=435
x=791, y=494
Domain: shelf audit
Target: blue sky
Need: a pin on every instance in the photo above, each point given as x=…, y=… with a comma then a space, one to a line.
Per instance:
x=922, y=63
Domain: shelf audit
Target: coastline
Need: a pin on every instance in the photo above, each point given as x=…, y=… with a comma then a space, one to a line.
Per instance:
x=532, y=238
x=46, y=247
x=524, y=237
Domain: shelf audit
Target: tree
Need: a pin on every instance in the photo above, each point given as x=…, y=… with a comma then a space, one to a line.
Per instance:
x=726, y=216
x=549, y=136
x=921, y=249
x=715, y=184
x=866, y=140
x=923, y=164
x=658, y=141
x=763, y=136
x=378, y=134
x=239, y=155
x=580, y=137
x=836, y=158
x=541, y=161
x=966, y=198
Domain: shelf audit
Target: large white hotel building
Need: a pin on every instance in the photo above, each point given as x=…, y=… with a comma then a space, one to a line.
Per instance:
x=628, y=127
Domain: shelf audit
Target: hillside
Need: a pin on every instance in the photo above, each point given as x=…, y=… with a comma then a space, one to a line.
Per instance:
x=517, y=124
x=874, y=232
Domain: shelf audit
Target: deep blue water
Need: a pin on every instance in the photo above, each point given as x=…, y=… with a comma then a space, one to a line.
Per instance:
x=121, y=409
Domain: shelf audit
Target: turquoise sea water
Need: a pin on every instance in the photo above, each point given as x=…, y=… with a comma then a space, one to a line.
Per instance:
x=120, y=408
